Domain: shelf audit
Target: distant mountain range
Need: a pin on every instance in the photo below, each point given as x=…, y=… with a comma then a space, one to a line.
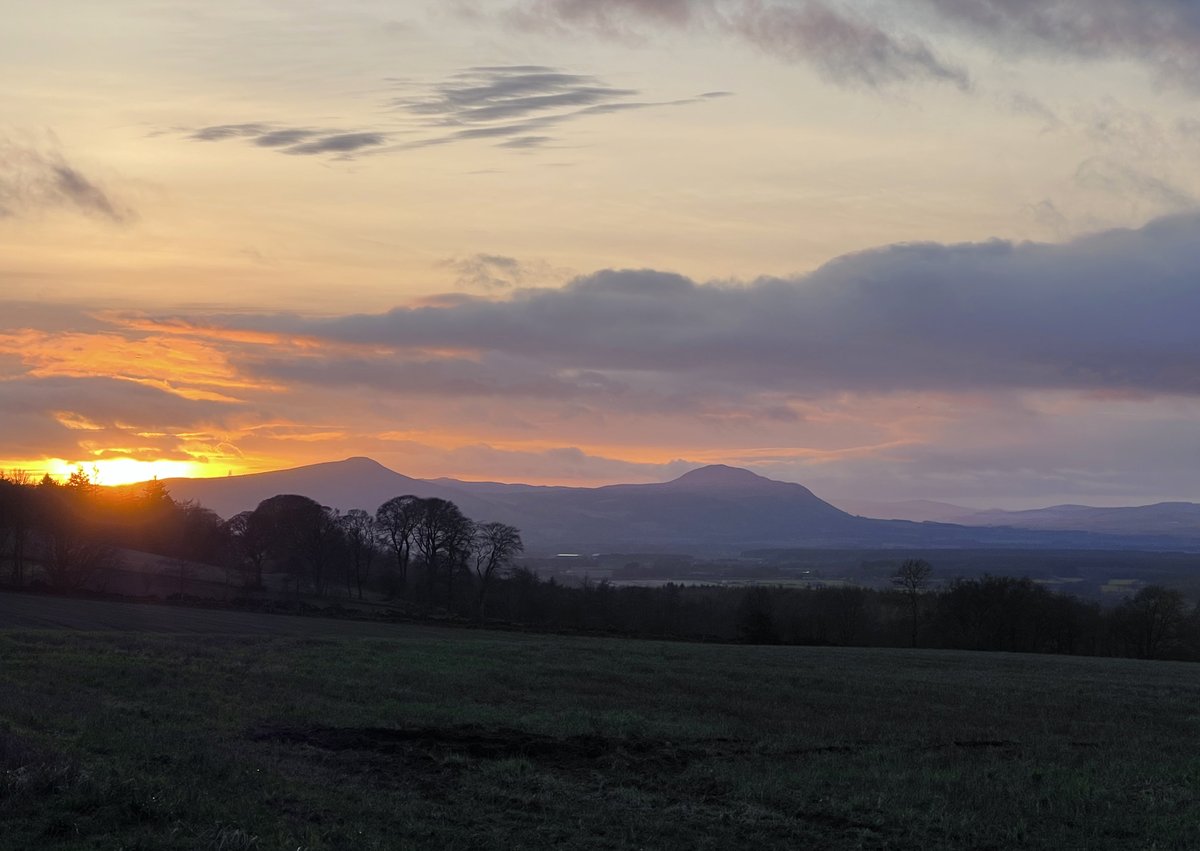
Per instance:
x=715, y=510
x=1172, y=519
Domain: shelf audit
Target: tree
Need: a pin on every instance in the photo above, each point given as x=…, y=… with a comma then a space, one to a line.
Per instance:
x=358, y=528
x=911, y=578
x=441, y=537
x=304, y=534
x=72, y=550
x=252, y=537
x=396, y=522
x=756, y=617
x=16, y=516
x=1153, y=619
x=494, y=546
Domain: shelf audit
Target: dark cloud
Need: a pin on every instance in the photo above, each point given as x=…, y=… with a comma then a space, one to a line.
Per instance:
x=486, y=271
x=526, y=142
x=516, y=103
x=339, y=143
x=495, y=272
x=37, y=415
x=503, y=94
x=230, y=131
x=512, y=104
x=1161, y=34
x=1046, y=215
x=844, y=46
x=302, y=141
x=1022, y=103
x=283, y=138
x=860, y=46
x=34, y=179
x=1113, y=312
x=619, y=18
x=110, y=401
x=1133, y=185
x=436, y=378
x=50, y=317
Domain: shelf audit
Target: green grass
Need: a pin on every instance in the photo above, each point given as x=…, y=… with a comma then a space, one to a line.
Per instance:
x=487, y=740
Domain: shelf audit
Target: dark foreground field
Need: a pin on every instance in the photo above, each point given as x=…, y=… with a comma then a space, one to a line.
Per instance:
x=443, y=739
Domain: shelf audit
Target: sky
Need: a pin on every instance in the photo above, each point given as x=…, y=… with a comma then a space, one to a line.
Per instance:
x=938, y=249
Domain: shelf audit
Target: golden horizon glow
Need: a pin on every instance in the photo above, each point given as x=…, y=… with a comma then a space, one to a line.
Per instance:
x=114, y=472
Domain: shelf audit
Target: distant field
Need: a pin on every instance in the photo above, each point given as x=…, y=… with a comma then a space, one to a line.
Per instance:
x=35, y=611
x=435, y=738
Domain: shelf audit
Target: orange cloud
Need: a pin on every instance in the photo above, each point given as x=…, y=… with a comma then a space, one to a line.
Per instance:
x=182, y=367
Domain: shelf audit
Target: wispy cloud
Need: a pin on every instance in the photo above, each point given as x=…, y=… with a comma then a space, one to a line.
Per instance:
x=303, y=141
x=505, y=93
x=38, y=178
x=844, y=46
x=1163, y=35
x=514, y=106
x=855, y=42
x=1133, y=185
x=496, y=272
x=517, y=105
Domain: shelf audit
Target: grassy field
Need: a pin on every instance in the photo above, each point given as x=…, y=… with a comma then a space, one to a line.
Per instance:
x=469, y=739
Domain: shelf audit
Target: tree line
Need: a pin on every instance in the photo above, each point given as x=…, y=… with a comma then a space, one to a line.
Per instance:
x=411, y=548
x=64, y=535
x=425, y=551
x=997, y=613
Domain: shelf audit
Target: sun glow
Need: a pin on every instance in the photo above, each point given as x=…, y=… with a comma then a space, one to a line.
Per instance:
x=127, y=471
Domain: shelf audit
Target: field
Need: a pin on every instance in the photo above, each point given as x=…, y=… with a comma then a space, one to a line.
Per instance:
x=228, y=731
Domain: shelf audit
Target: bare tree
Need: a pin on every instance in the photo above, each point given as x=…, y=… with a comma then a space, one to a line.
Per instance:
x=911, y=578
x=493, y=546
x=396, y=522
x=360, y=531
x=16, y=516
x=73, y=552
x=441, y=537
x=305, y=536
x=1153, y=619
x=252, y=535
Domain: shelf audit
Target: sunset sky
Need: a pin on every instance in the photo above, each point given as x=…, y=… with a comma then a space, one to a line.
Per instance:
x=944, y=249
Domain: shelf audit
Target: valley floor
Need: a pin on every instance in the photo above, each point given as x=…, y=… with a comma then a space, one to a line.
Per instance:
x=215, y=734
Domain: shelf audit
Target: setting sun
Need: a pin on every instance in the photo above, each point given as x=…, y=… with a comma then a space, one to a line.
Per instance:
x=126, y=471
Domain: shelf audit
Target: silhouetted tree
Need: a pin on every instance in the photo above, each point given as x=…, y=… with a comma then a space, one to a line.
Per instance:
x=1153, y=620
x=756, y=618
x=253, y=541
x=16, y=517
x=493, y=547
x=305, y=536
x=396, y=522
x=441, y=536
x=911, y=578
x=72, y=550
x=360, y=533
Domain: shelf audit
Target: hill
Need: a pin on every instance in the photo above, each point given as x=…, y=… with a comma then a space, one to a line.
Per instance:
x=915, y=510
x=1175, y=519
x=1166, y=519
x=352, y=483
x=713, y=511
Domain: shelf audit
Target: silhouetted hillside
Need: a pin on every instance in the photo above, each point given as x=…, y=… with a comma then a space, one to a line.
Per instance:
x=353, y=483
x=715, y=510
x=1180, y=519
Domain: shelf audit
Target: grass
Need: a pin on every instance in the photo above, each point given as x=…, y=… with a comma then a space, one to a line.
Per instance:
x=444, y=739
